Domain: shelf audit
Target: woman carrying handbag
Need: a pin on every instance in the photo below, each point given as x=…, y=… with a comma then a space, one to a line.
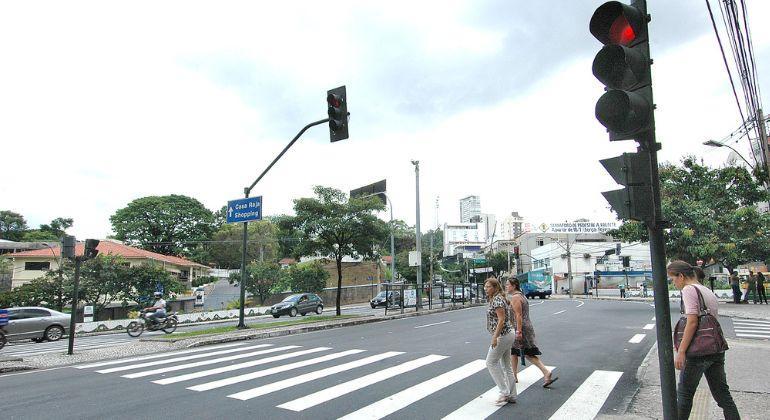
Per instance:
x=700, y=343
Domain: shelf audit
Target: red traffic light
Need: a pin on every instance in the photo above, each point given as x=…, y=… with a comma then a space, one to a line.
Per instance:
x=618, y=23
x=334, y=100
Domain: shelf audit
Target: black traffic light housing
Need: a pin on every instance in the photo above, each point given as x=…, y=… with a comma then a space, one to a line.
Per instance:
x=68, y=247
x=337, y=103
x=631, y=170
x=90, y=248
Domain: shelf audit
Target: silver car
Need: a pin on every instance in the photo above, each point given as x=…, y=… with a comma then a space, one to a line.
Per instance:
x=36, y=323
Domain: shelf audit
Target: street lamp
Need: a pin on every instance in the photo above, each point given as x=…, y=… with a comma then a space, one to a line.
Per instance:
x=714, y=143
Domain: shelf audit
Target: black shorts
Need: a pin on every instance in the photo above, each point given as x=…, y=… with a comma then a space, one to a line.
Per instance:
x=530, y=351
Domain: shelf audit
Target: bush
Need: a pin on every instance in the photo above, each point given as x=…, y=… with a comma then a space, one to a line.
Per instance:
x=200, y=281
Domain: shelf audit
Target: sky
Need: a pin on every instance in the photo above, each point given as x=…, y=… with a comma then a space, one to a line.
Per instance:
x=105, y=102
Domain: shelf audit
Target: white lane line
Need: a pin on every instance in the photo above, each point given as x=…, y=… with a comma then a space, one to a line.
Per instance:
x=205, y=362
x=430, y=325
x=751, y=324
x=560, y=312
x=179, y=359
x=230, y=368
x=395, y=402
x=288, y=383
x=588, y=399
x=653, y=319
x=752, y=331
x=753, y=335
x=484, y=406
x=581, y=304
x=637, y=338
x=157, y=356
x=336, y=391
x=649, y=326
x=267, y=372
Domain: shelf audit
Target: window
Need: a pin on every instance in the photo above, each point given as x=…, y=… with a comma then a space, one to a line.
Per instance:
x=37, y=266
x=36, y=313
x=14, y=315
x=540, y=242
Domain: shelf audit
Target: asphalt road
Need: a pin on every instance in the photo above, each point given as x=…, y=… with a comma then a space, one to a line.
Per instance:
x=423, y=367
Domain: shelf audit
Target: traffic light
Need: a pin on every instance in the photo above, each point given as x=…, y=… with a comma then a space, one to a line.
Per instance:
x=68, y=246
x=626, y=261
x=623, y=66
x=337, y=102
x=90, y=250
x=626, y=108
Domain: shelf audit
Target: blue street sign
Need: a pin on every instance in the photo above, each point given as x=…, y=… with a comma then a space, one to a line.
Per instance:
x=244, y=210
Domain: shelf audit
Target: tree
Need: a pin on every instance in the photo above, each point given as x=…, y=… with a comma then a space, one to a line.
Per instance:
x=225, y=250
x=261, y=277
x=498, y=261
x=167, y=224
x=711, y=214
x=102, y=280
x=337, y=227
x=310, y=277
x=143, y=280
x=12, y=225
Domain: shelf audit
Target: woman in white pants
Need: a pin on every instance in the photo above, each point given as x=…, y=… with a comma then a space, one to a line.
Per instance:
x=499, y=354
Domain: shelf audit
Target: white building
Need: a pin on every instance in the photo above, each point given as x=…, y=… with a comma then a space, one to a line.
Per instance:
x=470, y=207
x=467, y=238
x=511, y=227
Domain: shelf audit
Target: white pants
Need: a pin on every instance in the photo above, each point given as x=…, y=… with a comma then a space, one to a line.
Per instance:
x=499, y=365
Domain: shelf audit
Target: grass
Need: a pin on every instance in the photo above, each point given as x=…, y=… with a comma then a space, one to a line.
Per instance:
x=261, y=326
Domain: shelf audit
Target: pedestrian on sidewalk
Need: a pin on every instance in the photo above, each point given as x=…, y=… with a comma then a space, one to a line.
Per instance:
x=735, y=284
x=752, y=290
x=692, y=368
x=498, y=355
x=761, y=288
x=524, y=345
x=622, y=288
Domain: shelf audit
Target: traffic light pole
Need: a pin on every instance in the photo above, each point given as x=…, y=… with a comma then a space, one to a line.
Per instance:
x=74, y=312
x=246, y=191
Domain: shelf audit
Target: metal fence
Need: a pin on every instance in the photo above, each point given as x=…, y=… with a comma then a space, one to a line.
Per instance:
x=403, y=297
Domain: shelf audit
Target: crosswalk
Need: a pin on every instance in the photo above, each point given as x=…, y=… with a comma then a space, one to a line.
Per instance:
x=28, y=348
x=319, y=376
x=752, y=328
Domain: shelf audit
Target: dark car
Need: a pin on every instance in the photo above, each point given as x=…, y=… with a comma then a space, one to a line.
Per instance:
x=394, y=299
x=36, y=323
x=301, y=303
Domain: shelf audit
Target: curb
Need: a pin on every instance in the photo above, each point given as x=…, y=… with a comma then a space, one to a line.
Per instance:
x=291, y=330
x=15, y=368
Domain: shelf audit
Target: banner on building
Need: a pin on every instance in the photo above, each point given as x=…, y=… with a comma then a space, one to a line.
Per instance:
x=577, y=227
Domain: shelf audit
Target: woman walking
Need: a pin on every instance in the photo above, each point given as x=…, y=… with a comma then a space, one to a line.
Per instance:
x=693, y=367
x=524, y=345
x=498, y=356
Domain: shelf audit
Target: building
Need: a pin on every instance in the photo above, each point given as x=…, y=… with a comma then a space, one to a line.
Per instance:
x=465, y=238
x=470, y=207
x=511, y=227
x=9, y=247
x=30, y=265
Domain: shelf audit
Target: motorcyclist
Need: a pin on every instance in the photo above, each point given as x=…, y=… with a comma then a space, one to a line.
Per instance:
x=158, y=310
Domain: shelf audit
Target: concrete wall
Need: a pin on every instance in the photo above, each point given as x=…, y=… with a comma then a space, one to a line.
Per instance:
x=353, y=273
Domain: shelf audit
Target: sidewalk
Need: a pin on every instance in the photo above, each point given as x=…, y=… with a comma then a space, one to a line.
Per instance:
x=746, y=369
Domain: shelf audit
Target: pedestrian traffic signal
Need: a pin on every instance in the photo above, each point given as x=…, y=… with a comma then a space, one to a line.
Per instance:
x=336, y=99
x=623, y=66
x=90, y=249
x=631, y=170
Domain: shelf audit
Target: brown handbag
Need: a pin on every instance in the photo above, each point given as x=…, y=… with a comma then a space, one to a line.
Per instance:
x=708, y=339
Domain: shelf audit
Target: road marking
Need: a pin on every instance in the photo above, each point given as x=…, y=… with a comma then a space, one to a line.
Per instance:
x=653, y=319
x=156, y=356
x=288, y=383
x=751, y=324
x=753, y=335
x=266, y=372
x=581, y=304
x=588, y=399
x=395, y=402
x=637, y=338
x=430, y=325
x=205, y=362
x=560, y=312
x=230, y=368
x=484, y=406
x=336, y=391
x=649, y=326
x=180, y=359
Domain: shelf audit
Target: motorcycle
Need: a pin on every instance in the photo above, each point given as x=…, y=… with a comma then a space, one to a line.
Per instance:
x=166, y=324
x=3, y=340
x=3, y=323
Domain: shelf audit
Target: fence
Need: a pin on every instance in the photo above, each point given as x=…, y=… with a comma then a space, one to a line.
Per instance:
x=401, y=296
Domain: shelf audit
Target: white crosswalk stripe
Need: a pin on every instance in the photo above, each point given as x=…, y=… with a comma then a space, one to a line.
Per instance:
x=588, y=399
x=752, y=328
x=201, y=363
x=484, y=405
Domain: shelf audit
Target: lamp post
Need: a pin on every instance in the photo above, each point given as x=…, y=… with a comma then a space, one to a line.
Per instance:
x=714, y=143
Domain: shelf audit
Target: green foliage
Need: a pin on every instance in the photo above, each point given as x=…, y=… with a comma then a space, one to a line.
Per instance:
x=308, y=277
x=6, y=265
x=712, y=215
x=288, y=235
x=499, y=262
x=142, y=280
x=261, y=277
x=334, y=226
x=12, y=225
x=200, y=281
x=166, y=225
x=407, y=243
x=227, y=247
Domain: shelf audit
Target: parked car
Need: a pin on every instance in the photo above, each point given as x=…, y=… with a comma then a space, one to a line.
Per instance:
x=36, y=323
x=460, y=296
x=445, y=293
x=394, y=299
x=301, y=303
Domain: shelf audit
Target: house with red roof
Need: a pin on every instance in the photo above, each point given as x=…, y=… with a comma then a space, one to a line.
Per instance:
x=32, y=264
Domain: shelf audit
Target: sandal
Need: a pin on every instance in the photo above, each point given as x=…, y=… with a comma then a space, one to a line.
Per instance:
x=548, y=383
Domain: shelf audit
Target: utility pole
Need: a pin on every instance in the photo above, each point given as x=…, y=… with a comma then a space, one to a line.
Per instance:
x=765, y=149
x=416, y=164
x=432, y=279
x=569, y=267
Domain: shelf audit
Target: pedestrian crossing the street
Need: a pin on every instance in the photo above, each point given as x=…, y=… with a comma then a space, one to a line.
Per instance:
x=28, y=348
x=299, y=379
x=752, y=328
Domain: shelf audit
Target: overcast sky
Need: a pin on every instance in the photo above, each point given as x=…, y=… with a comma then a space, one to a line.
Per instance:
x=105, y=102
